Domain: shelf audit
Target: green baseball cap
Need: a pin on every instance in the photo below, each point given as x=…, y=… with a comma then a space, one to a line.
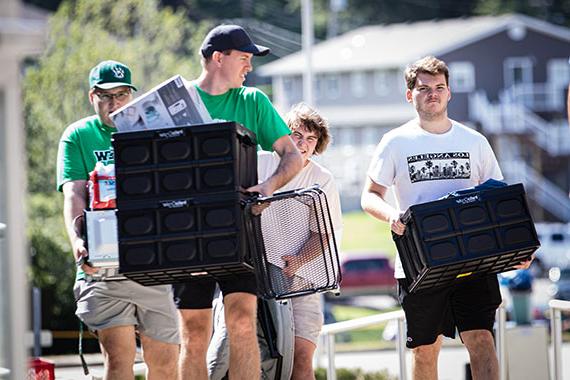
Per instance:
x=110, y=74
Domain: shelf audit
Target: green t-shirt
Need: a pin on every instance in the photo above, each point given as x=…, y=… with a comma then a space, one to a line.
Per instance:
x=82, y=145
x=250, y=107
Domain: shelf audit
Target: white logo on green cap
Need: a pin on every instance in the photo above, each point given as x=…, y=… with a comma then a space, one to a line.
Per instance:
x=119, y=72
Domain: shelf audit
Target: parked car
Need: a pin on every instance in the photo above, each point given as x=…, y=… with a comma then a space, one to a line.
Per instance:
x=554, y=250
x=560, y=288
x=366, y=274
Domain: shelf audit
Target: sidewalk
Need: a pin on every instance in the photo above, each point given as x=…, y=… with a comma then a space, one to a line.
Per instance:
x=451, y=363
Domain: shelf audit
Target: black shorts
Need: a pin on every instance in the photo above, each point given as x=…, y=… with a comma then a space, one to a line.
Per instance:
x=470, y=305
x=200, y=293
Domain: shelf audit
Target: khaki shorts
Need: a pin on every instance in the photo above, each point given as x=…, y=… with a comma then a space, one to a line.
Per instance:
x=308, y=317
x=105, y=304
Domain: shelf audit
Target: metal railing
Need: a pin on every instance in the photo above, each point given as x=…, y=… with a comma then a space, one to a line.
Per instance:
x=517, y=118
x=556, y=307
x=329, y=331
x=550, y=196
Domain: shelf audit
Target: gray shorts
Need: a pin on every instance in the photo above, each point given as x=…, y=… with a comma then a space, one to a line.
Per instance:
x=308, y=317
x=151, y=309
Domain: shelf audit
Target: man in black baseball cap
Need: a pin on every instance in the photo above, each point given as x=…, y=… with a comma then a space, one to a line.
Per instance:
x=230, y=37
x=226, y=53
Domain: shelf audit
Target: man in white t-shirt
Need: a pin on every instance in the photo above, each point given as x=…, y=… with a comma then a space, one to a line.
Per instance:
x=311, y=136
x=421, y=161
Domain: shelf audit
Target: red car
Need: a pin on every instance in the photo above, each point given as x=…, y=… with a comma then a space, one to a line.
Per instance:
x=366, y=274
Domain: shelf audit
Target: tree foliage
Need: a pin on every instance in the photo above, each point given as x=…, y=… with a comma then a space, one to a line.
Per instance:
x=155, y=42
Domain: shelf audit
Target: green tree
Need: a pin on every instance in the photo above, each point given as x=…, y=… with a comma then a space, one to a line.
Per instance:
x=156, y=42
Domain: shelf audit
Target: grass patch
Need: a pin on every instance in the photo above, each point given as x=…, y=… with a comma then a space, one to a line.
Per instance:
x=369, y=338
x=362, y=232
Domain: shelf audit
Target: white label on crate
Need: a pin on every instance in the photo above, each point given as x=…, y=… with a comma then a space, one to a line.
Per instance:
x=171, y=134
x=466, y=200
x=175, y=204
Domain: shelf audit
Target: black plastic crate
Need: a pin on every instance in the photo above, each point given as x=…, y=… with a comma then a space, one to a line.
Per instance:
x=183, y=161
x=465, y=237
x=295, y=222
x=183, y=239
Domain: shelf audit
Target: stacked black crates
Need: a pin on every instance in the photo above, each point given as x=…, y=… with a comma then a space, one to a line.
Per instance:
x=179, y=196
x=467, y=236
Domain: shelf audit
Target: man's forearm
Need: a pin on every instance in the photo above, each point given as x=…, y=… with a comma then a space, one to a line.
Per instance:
x=374, y=205
x=73, y=205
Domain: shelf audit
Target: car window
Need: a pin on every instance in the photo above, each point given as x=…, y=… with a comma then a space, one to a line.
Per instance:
x=363, y=265
x=557, y=237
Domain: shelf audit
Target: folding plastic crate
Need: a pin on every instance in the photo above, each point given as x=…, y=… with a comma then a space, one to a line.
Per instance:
x=467, y=236
x=173, y=163
x=294, y=223
x=183, y=239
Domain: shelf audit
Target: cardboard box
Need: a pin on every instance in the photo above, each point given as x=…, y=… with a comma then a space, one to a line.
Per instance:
x=174, y=102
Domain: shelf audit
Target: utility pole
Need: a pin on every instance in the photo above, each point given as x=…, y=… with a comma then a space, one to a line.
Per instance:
x=308, y=38
x=335, y=6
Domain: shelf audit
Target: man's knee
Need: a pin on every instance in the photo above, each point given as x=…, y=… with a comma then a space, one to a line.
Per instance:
x=426, y=353
x=479, y=343
x=162, y=359
x=196, y=326
x=302, y=362
x=240, y=314
x=118, y=346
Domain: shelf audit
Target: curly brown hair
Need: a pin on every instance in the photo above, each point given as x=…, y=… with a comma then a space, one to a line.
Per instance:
x=302, y=115
x=426, y=65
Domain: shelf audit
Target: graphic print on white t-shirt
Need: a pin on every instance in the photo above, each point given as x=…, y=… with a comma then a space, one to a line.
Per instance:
x=436, y=166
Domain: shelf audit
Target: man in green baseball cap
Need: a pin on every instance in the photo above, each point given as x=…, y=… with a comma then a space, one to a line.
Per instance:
x=114, y=309
x=110, y=88
x=110, y=74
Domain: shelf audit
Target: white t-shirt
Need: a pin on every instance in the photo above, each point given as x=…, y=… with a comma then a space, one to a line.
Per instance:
x=310, y=175
x=294, y=216
x=421, y=167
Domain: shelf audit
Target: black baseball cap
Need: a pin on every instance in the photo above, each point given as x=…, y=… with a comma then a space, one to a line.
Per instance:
x=230, y=37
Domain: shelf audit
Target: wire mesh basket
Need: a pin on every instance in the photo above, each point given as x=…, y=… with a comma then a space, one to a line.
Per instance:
x=293, y=243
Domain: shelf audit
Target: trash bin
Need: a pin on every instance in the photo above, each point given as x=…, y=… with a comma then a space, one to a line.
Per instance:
x=519, y=283
x=521, y=307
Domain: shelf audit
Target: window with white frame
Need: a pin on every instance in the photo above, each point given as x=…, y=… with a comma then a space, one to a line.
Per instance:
x=381, y=82
x=461, y=76
x=332, y=86
x=288, y=87
x=371, y=136
x=345, y=137
x=518, y=71
x=358, y=84
x=319, y=87
x=558, y=71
